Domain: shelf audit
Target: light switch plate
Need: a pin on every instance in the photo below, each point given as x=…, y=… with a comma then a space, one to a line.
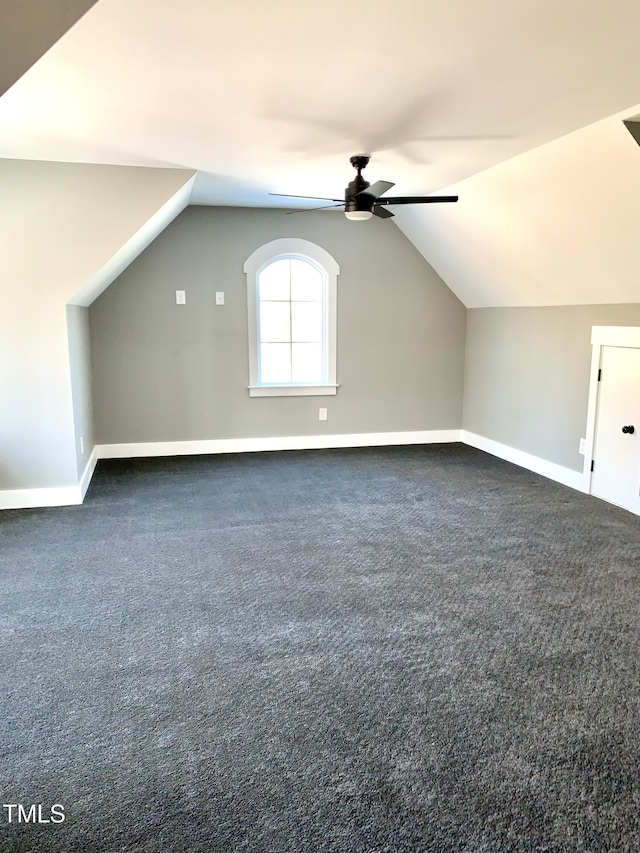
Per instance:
x=219, y=297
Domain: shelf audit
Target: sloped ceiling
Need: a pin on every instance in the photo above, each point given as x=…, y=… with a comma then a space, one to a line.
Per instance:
x=557, y=226
x=275, y=96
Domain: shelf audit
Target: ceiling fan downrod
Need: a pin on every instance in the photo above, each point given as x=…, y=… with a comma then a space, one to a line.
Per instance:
x=359, y=161
x=359, y=206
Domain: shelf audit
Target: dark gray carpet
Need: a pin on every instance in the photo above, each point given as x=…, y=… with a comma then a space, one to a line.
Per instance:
x=398, y=649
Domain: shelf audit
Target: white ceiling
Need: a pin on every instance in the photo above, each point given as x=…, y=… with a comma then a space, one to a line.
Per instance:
x=274, y=95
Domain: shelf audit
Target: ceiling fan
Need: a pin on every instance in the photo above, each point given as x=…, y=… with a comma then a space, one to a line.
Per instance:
x=362, y=200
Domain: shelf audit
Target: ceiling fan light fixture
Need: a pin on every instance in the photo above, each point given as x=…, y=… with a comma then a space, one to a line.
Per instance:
x=357, y=204
x=358, y=214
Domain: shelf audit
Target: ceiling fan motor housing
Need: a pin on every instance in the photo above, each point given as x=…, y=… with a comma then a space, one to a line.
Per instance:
x=352, y=201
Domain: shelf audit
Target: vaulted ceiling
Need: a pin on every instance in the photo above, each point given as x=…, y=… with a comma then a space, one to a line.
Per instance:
x=517, y=107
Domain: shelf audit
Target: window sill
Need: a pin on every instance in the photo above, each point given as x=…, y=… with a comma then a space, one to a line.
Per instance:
x=291, y=390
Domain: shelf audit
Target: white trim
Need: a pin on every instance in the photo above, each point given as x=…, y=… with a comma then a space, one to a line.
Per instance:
x=551, y=470
x=291, y=390
x=616, y=336
x=87, y=474
x=72, y=495
x=291, y=442
x=53, y=496
x=288, y=246
x=34, y=498
x=592, y=406
x=329, y=269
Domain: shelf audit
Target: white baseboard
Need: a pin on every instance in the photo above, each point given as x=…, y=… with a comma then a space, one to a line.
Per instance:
x=33, y=498
x=291, y=442
x=72, y=495
x=53, y=496
x=566, y=476
x=87, y=474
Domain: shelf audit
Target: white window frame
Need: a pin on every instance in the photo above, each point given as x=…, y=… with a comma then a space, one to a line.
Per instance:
x=292, y=247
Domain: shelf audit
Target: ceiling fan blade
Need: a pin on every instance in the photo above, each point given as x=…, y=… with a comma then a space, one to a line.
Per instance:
x=377, y=189
x=382, y=212
x=309, y=209
x=417, y=199
x=312, y=197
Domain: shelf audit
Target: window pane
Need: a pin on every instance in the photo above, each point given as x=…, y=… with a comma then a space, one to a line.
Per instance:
x=275, y=321
x=274, y=280
x=306, y=281
x=275, y=363
x=306, y=321
x=307, y=363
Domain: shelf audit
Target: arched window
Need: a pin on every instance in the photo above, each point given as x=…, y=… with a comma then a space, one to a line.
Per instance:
x=291, y=297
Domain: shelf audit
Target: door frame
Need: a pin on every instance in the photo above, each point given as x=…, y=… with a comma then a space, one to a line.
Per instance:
x=602, y=336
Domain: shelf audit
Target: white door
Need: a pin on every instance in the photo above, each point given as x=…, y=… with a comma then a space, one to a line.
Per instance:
x=616, y=471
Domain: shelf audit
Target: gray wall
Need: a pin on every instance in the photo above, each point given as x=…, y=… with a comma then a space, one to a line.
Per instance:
x=527, y=375
x=163, y=372
x=80, y=371
x=29, y=29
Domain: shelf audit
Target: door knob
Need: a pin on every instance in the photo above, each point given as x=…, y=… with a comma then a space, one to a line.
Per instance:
x=628, y=430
